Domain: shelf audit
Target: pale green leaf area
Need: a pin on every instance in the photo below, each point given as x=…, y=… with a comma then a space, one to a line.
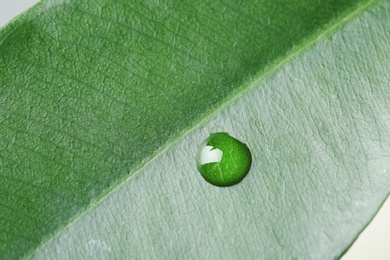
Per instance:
x=103, y=106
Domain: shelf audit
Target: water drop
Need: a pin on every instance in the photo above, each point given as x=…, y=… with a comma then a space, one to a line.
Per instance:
x=223, y=160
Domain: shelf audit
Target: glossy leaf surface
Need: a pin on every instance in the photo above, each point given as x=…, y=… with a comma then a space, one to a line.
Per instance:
x=94, y=94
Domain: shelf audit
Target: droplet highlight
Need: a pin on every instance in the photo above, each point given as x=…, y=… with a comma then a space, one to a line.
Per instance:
x=223, y=160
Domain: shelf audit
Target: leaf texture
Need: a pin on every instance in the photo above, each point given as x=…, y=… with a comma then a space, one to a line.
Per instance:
x=99, y=94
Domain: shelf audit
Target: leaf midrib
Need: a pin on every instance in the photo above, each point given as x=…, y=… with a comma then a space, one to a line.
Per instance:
x=310, y=41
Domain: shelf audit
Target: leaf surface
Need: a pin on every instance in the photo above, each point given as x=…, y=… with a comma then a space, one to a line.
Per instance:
x=96, y=95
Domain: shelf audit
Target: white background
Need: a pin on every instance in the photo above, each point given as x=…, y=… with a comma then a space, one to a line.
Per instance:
x=373, y=243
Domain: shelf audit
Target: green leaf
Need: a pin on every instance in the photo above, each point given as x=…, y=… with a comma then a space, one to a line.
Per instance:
x=103, y=106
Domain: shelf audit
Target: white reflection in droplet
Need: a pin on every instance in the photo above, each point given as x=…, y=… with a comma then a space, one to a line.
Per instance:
x=210, y=154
